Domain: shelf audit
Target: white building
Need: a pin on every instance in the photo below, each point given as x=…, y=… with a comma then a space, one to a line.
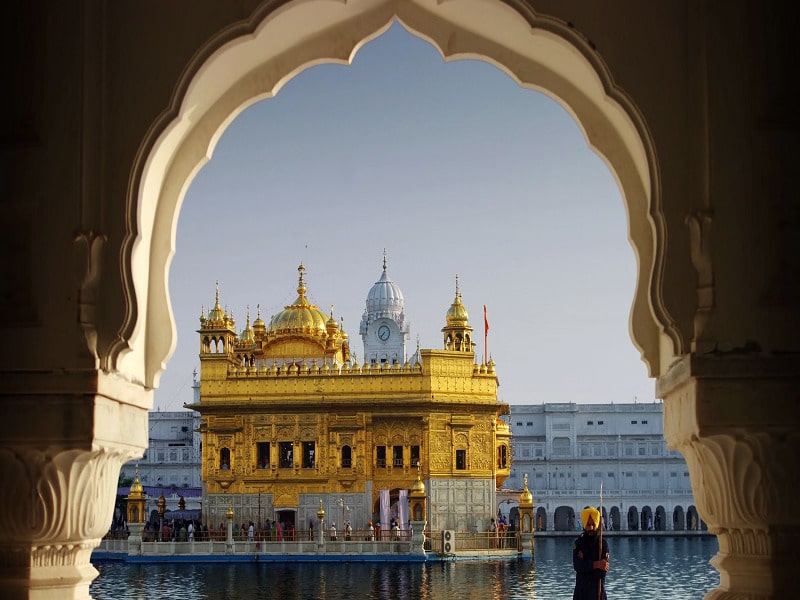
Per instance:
x=568, y=450
x=172, y=458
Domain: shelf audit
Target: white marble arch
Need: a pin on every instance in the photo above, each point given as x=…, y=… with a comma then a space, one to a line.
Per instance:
x=148, y=104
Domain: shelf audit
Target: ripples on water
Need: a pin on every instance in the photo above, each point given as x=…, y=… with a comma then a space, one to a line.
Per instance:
x=642, y=568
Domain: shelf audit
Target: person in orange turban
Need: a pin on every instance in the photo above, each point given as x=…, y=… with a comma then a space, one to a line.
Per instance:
x=590, y=559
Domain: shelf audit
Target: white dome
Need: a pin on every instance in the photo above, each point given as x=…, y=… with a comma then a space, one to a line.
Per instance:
x=384, y=297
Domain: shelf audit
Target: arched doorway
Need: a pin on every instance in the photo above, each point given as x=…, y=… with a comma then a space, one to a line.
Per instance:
x=678, y=519
x=647, y=518
x=287, y=517
x=660, y=519
x=541, y=519
x=693, y=521
x=615, y=519
x=564, y=519
x=633, y=519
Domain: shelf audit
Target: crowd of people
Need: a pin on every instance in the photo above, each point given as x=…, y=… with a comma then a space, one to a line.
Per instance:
x=189, y=530
x=502, y=533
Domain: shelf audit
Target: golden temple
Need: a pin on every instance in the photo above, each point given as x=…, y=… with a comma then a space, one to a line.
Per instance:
x=291, y=421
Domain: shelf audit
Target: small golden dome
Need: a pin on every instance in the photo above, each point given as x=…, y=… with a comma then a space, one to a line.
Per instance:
x=137, y=491
x=248, y=335
x=332, y=325
x=457, y=313
x=418, y=486
x=526, y=498
x=216, y=316
x=258, y=324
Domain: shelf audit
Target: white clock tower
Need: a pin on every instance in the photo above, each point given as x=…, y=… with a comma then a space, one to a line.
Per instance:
x=384, y=328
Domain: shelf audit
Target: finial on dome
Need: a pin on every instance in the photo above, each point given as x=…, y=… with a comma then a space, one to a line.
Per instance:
x=525, y=498
x=301, y=284
x=384, y=259
x=458, y=292
x=217, y=286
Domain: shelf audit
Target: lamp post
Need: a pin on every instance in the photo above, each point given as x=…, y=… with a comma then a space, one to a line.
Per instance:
x=321, y=517
x=229, y=537
x=342, y=508
x=162, y=505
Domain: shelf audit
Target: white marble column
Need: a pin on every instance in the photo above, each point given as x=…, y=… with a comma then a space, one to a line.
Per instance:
x=735, y=420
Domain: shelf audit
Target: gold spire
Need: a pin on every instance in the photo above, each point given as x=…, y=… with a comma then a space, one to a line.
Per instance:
x=137, y=491
x=258, y=324
x=418, y=486
x=301, y=286
x=457, y=313
x=248, y=335
x=525, y=498
x=216, y=316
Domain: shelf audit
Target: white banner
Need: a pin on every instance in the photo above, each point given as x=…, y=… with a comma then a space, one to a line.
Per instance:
x=384, y=511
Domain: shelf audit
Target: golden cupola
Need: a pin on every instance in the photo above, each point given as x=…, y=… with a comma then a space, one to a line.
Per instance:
x=217, y=318
x=135, y=502
x=137, y=490
x=217, y=334
x=248, y=336
x=302, y=331
x=457, y=313
x=259, y=327
x=457, y=332
x=299, y=318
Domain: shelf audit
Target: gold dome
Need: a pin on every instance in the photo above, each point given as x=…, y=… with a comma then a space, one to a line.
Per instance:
x=332, y=323
x=248, y=335
x=137, y=491
x=299, y=317
x=457, y=313
x=217, y=316
x=258, y=324
x=526, y=498
x=418, y=486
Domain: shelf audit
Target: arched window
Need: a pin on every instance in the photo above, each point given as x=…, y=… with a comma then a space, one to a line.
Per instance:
x=502, y=457
x=224, y=458
x=347, y=457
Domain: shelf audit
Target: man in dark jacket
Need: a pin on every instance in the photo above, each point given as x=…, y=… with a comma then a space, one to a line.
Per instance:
x=589, y=560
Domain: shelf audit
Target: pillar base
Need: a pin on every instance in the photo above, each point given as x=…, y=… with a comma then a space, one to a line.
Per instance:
x=418, y=537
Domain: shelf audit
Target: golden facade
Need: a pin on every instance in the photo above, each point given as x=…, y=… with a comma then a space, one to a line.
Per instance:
x=289, y=419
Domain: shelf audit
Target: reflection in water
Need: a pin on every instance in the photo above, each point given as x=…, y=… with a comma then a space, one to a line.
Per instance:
x=669, y=568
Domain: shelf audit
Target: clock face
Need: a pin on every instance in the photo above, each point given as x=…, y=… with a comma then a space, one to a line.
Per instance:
x=383, y=333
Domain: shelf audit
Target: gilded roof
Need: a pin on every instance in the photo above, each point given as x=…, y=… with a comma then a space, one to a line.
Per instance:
x=300, y=317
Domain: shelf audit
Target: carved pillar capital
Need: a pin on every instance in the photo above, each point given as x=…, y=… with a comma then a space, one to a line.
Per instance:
x=736, y=422
x=57, y=507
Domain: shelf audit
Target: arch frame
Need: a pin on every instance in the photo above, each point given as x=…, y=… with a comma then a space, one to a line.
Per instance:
x=252, y=60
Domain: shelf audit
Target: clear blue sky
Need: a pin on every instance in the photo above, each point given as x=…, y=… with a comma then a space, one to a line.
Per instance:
x=453, y=169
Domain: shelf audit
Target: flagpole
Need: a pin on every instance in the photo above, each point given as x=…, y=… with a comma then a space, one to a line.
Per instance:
x=600, y=543
x=485, y=337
